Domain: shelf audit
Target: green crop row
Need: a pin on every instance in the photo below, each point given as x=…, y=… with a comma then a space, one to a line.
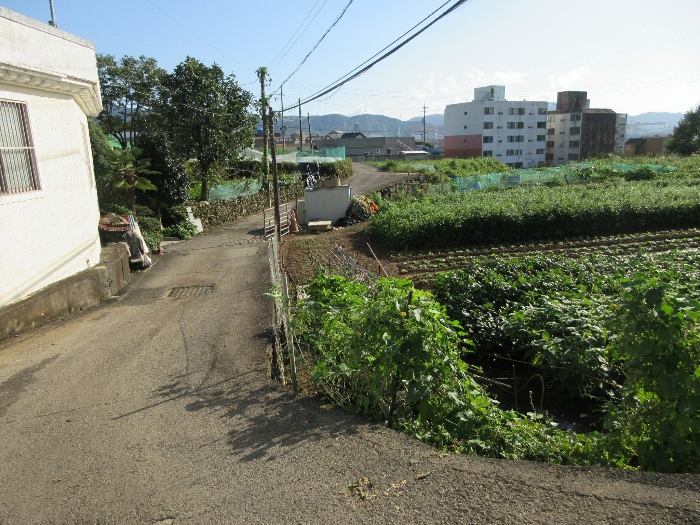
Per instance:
x=530, y=213
x=585, y=325
x=392, y=353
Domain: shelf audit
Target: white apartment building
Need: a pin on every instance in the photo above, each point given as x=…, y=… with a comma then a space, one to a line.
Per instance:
x=620, y=133
x=513, y=132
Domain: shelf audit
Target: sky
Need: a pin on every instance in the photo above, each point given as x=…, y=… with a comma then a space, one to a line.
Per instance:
x=632, y=56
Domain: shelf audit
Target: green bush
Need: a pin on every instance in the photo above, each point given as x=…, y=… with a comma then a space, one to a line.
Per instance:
x=536, y=212
x=391, y=353
x=657, y=424
x=341, y=169
x=182, y=230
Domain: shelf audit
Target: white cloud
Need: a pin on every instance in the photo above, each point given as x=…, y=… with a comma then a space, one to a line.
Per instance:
x=570, y=79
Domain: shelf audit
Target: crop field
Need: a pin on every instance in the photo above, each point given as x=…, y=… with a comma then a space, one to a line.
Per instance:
x=423, y=266
x=556, y=323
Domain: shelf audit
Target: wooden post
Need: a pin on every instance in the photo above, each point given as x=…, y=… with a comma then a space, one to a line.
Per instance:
x=290, y=337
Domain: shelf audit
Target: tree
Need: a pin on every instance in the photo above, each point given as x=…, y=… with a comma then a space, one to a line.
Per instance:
x=127, y=171
x=129, y=88
x=686, y=136
x=172, y=180
x=207, y=114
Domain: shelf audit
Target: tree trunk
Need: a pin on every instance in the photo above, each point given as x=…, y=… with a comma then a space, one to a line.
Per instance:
x=205, y=189
x=130, y=197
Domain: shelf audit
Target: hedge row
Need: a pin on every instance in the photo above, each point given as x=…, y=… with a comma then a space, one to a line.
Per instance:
x=529, y=213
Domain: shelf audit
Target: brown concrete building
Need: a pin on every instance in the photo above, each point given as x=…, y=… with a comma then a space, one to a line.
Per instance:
x=577, y=132
x=651, y=146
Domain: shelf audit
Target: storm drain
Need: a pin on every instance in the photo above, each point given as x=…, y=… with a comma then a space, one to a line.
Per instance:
x=189, y=291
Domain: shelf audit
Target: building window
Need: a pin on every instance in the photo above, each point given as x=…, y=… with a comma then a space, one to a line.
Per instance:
x=488, y=125
x=541, y=111
x=542, y=125
x=573, y=156
x=517, y=165
x=574, y=143
x=465, y=126
x=621, y=137
x=575, y=116
x=488, y=139
x=550, y=131
x=549, y=156
x=550, y=143
x=516, y=138
x=487, y=153
x=516, y=111
x=541, y=138
x=513, y=152
x=18, y=170
x=621, y=125
x=465, y=112
x=516, y=125
x=488, y=111
x=539, y=152
x=388, y=151
x=575, y=131
x=551, y=118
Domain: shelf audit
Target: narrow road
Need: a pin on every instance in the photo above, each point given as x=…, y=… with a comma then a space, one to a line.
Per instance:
x=156, y=409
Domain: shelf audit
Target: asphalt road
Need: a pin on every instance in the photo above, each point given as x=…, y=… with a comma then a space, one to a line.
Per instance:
x=154, y=409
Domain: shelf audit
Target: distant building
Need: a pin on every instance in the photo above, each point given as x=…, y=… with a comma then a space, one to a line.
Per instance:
x=651, y=146
x=575, y=131
x=491, y=126
x=359, y=148
x=620, y=133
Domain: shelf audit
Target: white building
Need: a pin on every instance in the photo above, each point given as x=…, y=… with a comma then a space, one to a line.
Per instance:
x=620, y=133
x=513, y=132
x=48, y=203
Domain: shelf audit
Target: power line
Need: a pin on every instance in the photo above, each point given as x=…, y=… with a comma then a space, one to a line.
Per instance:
x=274, y=63
x=197, y=36
x=317, y=43
x=359, y=70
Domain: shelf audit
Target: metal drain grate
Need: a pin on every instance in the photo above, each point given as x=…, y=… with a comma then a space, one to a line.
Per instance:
x=189, y=291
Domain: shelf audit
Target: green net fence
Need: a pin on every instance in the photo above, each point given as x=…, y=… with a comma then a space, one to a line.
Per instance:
x=569, y=173
x=235, y=189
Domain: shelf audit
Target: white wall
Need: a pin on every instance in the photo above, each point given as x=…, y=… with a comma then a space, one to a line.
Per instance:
x=456, y=120
x=50, y=234
x=35, y=45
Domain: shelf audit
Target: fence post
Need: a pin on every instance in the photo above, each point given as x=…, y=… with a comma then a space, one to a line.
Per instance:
x=288, y=333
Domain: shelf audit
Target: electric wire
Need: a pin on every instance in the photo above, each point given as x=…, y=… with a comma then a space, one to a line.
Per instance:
x=317, y=43
x=361, y=70
x=197, y=36
x=302, y=33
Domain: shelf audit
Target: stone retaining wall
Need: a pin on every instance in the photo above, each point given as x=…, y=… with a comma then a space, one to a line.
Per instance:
x=218, y=212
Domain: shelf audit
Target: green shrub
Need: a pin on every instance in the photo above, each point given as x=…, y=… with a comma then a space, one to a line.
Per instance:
x=537, y=212
x=182, y=230
x=391, y=353
x=149, y=224
x=657, y=423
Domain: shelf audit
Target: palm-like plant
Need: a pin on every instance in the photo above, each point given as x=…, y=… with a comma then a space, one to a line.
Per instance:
x=127, y=171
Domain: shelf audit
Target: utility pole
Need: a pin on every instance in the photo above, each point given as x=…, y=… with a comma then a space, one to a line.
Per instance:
x=275, y=181
x=311, y=148
x=52, y=22
x=301, y=134
x=282, y=126
x=263, y=113
x=424, y=108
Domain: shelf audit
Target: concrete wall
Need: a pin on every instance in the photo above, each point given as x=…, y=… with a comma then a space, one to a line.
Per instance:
x=598, y=133
x=49, y=234
x=35, y=45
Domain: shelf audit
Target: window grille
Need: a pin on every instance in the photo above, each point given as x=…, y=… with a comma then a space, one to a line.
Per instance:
x=18, y=171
